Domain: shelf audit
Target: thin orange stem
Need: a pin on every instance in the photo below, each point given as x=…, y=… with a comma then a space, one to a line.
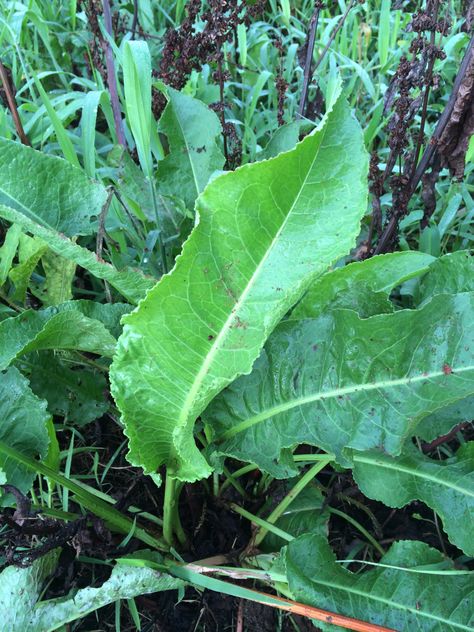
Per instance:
x=322, y=615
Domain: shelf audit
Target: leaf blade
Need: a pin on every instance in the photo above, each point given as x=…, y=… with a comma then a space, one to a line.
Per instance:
x=192, y=129
x=386, y=596
x=354, y=286
x=445, y=486
x=48, y=190
x=340, y=382
x=23, y=425
x=131, y=283
x=52, y=328
x=205, y=322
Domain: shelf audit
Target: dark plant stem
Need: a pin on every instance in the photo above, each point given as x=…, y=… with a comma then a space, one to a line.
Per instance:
x=12, y=106
x=429, y=77
x=430, y=150
x=135, y=18
x=100, y=238
x=429, y=447
x=313, y=27
x=99, y=242
x=111, y=80
x=161, y=244
x=222, y=113
x=444, y=118
x=333, y=34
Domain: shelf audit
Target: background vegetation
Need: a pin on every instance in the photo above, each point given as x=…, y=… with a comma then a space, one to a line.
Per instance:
x=213, y=86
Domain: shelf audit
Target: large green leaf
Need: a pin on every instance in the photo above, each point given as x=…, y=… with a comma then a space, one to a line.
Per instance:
x=23, y=419
x=445, y=486
x=49, y=190
x=265, y=232
x=130, y=283
x=356, y=285
x=192, y=130
x=20, y=589
x=52, y=328
x=341, y=382
x=405, y=594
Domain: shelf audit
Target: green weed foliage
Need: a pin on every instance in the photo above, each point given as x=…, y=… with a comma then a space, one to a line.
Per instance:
x=193, y=265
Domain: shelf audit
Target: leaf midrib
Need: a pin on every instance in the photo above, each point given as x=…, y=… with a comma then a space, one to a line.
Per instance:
x=26, y=209
x=187, y=405
x=389, y=602
x=374, y=460
x=315, y=397
x=196, y=183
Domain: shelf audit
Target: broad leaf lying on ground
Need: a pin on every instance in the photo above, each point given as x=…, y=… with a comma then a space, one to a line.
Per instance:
x=23, y=419
x=49, y=190
x=442, y=421
x=52, y=328
x=340, y=382
x=77, y=395
x=445, y=486
x=192, y=130
x=265, y=232
x=20, y=589
x=130, y=283
x=450, y=274
x=402, y=595
x=125, y=582
x=363, y=286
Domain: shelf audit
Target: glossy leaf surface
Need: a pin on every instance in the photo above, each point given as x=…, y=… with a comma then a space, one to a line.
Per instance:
x=192, y=130
x=23, y=419
x=49, y=190
x=445, y=486
x=130, y=283
x=363, y=286
x=340, y=382
x=403, y=596
x=265, y=232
